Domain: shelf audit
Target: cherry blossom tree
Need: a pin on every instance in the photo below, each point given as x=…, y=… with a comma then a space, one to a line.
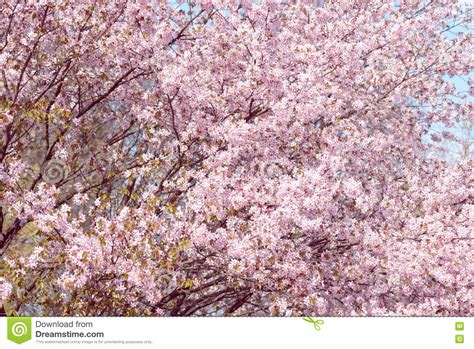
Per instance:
x=232, y=159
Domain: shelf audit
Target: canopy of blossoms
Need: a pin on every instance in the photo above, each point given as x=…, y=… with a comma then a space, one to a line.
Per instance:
x=233, y=159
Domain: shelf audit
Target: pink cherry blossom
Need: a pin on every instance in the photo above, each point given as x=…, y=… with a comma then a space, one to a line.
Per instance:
x=234, y=158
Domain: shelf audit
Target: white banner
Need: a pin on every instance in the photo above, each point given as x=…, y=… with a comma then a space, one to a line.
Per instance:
x=239, y=333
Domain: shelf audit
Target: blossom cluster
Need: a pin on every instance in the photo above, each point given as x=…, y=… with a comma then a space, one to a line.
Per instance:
x=247, y=158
